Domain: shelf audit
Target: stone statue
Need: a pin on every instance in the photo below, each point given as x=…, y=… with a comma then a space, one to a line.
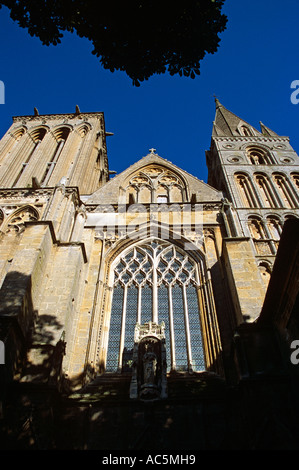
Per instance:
x=149, y=368
x=149, y=363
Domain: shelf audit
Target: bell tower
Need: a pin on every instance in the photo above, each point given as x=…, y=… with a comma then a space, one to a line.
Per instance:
x=258, y=172
x=40, y=151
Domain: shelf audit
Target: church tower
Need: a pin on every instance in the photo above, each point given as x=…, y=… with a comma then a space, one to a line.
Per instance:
x=258, y=172
x=41, y=151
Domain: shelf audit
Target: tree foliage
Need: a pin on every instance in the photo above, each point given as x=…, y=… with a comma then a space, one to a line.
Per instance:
x=142, y=37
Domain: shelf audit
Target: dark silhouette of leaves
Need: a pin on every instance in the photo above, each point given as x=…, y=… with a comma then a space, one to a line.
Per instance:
x=141, y=38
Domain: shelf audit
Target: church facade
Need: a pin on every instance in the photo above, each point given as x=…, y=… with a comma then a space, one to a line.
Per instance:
x=134, y=300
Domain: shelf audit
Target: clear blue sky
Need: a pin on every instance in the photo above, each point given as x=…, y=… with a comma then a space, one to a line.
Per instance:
x=251, y=74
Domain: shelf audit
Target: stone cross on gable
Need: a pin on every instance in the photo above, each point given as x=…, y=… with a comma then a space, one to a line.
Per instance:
x=152, y=150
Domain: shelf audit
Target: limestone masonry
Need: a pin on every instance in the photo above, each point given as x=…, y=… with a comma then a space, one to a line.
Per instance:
x=138, y=287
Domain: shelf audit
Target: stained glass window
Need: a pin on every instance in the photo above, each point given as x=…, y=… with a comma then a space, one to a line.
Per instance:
x=156, y=282
x=115, y=328
x=179, y=329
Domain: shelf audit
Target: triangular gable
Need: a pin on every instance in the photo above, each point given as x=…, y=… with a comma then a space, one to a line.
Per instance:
x=110, y=192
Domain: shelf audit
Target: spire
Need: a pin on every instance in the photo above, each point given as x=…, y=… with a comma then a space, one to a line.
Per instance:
x=227, y=123
x=217, y=102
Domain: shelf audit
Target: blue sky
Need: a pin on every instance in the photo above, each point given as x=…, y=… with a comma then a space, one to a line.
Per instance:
x=251, y=74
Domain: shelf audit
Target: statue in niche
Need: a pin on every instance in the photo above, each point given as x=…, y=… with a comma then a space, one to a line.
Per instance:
x=149, y=363
x=149, y=367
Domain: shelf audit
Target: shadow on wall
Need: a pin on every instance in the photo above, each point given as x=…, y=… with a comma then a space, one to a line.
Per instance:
x=31, y=351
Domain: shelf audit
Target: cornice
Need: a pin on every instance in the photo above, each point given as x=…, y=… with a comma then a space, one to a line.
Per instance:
x=23, y=193
x=44, y=117
x=259, y=138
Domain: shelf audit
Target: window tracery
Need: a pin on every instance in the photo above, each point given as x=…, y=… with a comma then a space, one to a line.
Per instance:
x=156, y=184
x=156, y=282
x=16, y=222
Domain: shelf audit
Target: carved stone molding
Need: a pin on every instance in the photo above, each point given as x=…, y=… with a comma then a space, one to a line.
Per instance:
x=23, y=193
x=47, y=117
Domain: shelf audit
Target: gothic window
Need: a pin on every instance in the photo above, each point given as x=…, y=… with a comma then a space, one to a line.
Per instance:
x=83, y=130
x=36, y=137
x=266, y=191
x=18, y=134
x=156, y=282
x=60, y=137
x=15, y=138
x=155, y=184
x=16, y=222
x=246, y=191
x=285, y=190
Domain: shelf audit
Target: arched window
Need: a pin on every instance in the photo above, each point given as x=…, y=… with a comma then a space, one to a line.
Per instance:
x=256, y=228
x=260, y=236
x=16, y=222
x=155, y=184
x=295, y=178
x=246, y=191
x=285, y=190
x=274, y=227
x=266, y=190
x=258, y=156
x=245, y=130
x=295, y=185
x=36, y=136
x=156, y=281
x=60, y=135
x=15, y=138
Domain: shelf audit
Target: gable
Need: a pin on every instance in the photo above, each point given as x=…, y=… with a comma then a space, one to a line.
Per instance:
x=150, y=178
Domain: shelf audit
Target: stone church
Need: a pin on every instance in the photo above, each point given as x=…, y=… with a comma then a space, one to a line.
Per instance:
x=147, y=310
